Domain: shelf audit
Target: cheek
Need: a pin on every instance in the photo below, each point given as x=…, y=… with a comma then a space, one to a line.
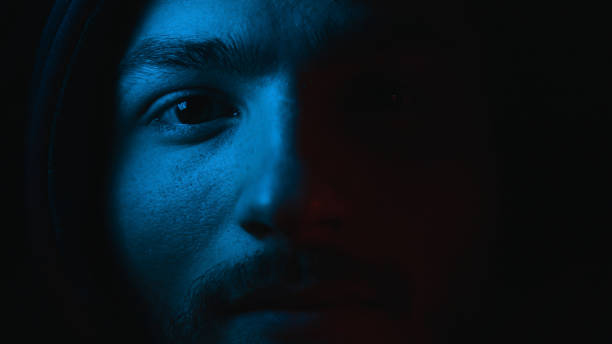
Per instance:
x=166, y=205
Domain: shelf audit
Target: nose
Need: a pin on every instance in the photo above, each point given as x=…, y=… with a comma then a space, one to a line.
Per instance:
x=277, y=188
x=287, y=199
x=309, y=218
x=287, y=195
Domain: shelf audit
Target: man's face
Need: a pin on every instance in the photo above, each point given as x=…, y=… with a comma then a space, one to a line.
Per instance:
x=287, y=170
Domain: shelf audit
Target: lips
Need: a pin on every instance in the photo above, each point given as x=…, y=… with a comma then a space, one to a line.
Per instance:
x=318, y=297
x=304, y=282
x=334, y=311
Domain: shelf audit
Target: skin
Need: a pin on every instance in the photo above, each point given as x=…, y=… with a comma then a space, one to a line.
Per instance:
x=294, y=174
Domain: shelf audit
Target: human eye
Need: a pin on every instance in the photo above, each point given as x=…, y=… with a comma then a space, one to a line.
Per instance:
x=375, y=94
x=192, y=115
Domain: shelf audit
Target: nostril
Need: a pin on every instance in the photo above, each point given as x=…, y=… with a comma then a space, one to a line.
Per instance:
x=257, y=229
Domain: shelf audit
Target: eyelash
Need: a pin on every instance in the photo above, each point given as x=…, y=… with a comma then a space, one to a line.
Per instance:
x=203, y=130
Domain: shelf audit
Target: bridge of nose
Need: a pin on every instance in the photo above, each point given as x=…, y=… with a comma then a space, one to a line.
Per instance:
x=286, y=187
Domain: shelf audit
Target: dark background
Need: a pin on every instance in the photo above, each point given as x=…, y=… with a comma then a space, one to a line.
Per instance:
x=547, y=71
x=28, y=304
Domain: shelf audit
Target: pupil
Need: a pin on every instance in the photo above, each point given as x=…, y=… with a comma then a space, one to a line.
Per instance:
x=194, y=111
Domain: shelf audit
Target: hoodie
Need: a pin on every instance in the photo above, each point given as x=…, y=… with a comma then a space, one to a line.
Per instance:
x=66, y=148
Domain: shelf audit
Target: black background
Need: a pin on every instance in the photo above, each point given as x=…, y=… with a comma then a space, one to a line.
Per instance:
x=547, y=71
x=28, y=305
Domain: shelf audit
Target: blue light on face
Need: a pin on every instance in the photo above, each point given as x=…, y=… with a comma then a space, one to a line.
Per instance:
x=213, y=145
x=230, y=151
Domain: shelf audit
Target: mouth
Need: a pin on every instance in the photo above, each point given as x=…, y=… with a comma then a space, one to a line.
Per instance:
x=328, y=296
x=357, y=312
x=298, y=296
x=318, y=283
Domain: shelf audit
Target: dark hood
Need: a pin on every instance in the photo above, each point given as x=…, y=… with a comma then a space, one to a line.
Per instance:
x=57, y=53
x=71, y=109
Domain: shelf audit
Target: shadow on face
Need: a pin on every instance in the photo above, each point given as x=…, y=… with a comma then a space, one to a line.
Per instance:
x=299, y=170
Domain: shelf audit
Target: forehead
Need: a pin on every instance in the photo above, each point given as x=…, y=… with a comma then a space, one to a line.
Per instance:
x=287, y=25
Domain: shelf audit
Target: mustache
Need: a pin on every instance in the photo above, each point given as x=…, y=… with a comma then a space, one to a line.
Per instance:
x=217, y=293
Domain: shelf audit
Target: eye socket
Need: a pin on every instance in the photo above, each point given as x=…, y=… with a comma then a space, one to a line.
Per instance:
x=381, y=100
x=376, y=95
x=192, y=116
x=197, y=109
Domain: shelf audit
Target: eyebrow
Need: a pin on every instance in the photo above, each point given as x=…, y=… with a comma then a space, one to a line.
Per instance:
x=231, y=55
